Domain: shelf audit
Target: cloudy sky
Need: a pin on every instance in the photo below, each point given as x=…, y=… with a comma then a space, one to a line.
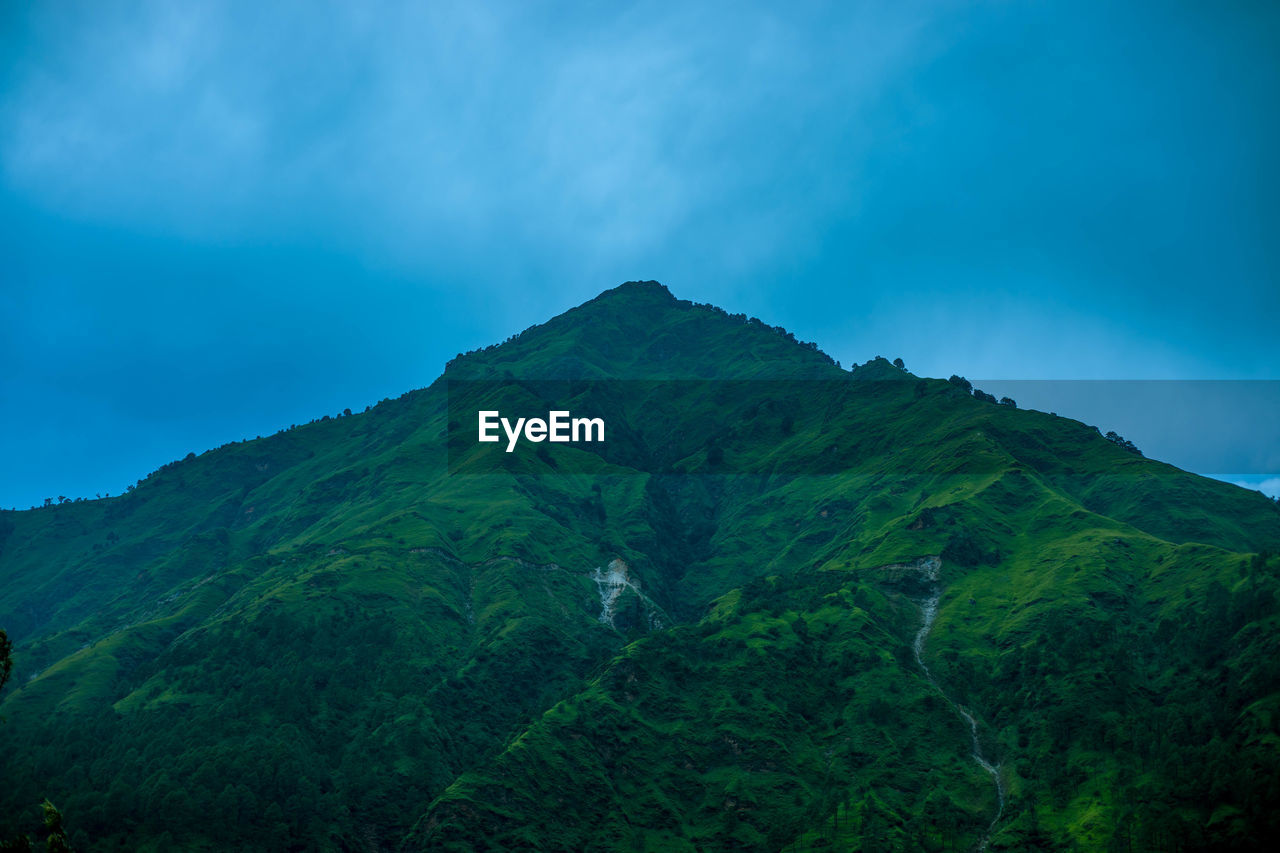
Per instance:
x=217, y=219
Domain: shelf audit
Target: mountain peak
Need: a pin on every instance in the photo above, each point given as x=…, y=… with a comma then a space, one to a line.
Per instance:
x=637, y=289
x=640, y=330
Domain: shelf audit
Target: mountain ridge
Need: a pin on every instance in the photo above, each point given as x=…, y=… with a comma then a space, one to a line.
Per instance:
x=462, y=613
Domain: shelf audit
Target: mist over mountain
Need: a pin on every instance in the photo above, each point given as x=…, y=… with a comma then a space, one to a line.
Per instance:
x=787, y=606
x=221, y=218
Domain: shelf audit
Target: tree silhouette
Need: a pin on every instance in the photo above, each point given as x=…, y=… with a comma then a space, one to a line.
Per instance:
x=6, y=657
x=56, y=841
x=1119, y=440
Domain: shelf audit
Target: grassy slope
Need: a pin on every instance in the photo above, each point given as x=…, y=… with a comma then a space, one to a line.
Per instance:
x=331, y=636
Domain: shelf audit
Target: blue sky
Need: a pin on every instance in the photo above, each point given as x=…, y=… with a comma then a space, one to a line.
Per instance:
x=217, y=219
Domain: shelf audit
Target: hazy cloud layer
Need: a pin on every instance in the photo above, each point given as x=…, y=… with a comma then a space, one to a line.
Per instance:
x=220, y=218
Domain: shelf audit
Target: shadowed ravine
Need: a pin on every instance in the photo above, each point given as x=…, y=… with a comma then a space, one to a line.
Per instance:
x=929, y=611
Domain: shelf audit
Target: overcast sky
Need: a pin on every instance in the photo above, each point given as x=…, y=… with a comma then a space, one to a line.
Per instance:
x=220, y=219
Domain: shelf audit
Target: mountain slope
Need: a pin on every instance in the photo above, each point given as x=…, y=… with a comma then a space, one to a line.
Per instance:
x=326, y=638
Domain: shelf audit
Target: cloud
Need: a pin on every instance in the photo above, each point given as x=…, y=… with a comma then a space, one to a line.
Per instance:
x=1269, y=486
x=213, y=186
x=428, y=135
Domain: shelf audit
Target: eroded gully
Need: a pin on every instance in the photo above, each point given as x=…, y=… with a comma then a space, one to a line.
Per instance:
x=929, y=611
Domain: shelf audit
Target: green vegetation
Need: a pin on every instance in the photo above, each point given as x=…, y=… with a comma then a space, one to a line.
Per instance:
x=324, y=640
x=55, y=835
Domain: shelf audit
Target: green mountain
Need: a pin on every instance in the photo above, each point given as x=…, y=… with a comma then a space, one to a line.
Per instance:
x=786, y=606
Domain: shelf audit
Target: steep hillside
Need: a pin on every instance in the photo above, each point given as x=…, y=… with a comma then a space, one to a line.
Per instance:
x=709, y=631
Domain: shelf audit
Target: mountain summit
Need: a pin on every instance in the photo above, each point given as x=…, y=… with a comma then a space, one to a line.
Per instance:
x=783, y=606
x=639, y=330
